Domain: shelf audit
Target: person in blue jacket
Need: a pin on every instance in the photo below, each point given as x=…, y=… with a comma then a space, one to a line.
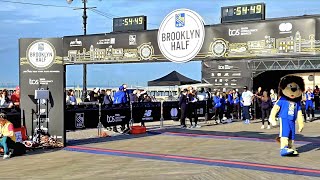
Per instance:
x=229, y=104
x=216, y=105
x=309, y=103
x=120, y=96
x=241, y=106
x=219, y=103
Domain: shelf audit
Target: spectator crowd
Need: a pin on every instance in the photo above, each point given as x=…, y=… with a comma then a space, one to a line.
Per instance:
x=122, y=97
x=230, y=105
x=226, y=105
x=8, y=100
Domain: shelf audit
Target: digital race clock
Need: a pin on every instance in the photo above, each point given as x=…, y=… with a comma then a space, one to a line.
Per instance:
x=134, y=23
x=243, y=12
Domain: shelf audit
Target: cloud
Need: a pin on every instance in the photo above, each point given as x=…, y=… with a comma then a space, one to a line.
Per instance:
x=7, y=8
x=40, y=12
x=27, y=21
x=21, y=21
x=7, y=48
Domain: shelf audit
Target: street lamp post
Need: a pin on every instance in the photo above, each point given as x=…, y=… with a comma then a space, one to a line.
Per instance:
x=84, y=18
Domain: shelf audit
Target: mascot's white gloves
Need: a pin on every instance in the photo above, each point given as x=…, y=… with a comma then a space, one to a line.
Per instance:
x=300, y=120
x=272, y=117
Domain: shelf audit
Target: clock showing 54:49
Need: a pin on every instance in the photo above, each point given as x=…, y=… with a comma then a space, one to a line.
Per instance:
x=134, y=23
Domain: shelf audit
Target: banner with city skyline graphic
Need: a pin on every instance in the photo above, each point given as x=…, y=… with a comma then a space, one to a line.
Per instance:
x=281, y=37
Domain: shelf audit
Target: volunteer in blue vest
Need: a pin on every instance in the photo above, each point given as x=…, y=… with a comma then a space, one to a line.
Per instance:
x=120, y=98
x=229, y=103
x=7, y=135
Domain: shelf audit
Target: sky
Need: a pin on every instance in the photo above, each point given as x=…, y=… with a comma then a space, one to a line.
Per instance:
x=31, y=21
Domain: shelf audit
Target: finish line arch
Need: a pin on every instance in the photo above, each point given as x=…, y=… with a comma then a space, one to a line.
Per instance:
x=230, y=54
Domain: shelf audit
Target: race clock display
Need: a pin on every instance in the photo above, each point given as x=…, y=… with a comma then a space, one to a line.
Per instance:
x=134, y=23
x=243, y=12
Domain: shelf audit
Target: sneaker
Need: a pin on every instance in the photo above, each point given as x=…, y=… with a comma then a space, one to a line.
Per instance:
x=191, y=126
x=262, y=127
x=268, y=127
x=248, y=121
x=197, y=126
x=6, y=156
x=183, y=126
x=230, y=121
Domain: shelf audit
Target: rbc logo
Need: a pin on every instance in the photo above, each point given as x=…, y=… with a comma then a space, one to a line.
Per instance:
x=40, y=46
x=174, y=112
x=180, y=20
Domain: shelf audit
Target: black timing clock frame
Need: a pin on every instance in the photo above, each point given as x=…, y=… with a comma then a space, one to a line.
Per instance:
x=246, y=12
x=133, y=23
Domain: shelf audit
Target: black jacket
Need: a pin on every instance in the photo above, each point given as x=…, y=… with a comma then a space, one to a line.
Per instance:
x=107, y=100
x=183, y=101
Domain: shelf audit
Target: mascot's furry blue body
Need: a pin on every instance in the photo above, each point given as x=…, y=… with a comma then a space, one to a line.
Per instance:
x=289, y=109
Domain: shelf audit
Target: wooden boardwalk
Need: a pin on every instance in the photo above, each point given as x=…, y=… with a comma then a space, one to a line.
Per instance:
x=229, y=151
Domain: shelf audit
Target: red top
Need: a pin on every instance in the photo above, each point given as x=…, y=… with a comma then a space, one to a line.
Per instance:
x=15, y=97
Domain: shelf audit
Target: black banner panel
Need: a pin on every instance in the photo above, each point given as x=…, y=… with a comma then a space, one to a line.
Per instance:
x=112, y=116
x=171, y=110
x=41, y=68
x=81, y=117
x=201, y=108
x=146, y=111
x=285, y=37
x=112, y=48
x=233, y=74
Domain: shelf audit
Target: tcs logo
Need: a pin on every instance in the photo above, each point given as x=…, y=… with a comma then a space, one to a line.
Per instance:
x=234, y=32
x=33, y=81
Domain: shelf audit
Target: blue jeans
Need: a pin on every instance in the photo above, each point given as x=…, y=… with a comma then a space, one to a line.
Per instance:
x=6, y=143
x=245, y=112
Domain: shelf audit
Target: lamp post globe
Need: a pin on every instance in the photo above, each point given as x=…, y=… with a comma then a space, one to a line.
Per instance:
x=69, y=1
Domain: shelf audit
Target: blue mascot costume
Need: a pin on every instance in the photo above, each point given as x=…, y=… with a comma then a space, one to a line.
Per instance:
x=289, y=109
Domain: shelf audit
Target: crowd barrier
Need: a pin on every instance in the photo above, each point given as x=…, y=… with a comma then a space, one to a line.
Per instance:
x=89, y=116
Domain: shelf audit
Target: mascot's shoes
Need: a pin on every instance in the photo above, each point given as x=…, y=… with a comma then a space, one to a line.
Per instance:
x=295, y=153
x=286, y=151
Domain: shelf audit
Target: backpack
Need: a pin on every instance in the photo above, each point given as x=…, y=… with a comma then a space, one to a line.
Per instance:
x=19, y=149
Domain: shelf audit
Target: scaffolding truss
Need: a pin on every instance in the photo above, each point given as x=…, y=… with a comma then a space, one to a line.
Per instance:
x=261, y=65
